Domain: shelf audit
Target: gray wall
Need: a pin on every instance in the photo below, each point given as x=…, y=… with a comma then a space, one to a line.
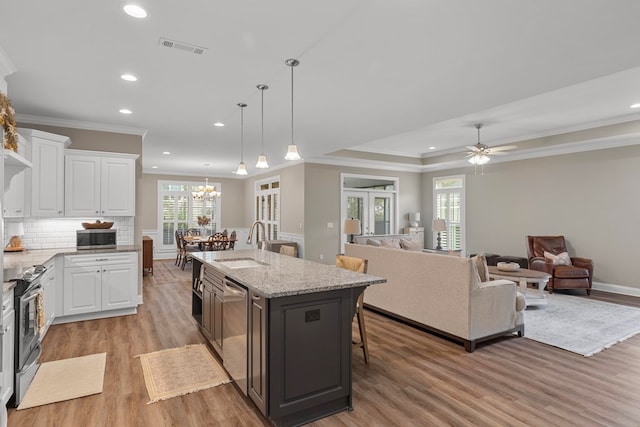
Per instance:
x=322, y=206
x=591, y=198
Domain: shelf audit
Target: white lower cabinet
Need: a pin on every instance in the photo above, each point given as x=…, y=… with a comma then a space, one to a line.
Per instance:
x=94, y=283
x=8, y=342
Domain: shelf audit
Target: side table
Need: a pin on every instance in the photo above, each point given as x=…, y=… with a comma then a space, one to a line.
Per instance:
x=523, y=276
x=147, y=254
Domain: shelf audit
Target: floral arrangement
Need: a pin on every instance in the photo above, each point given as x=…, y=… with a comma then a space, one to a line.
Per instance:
x=8, y=123
x=203, y=220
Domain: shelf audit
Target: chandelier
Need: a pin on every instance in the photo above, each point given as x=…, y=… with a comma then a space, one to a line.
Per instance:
x=205, y=192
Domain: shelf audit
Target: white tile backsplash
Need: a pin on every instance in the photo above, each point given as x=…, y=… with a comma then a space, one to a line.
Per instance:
x=54, y=233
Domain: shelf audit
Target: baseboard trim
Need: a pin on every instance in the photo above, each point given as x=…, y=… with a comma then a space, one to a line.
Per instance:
x=616, y=289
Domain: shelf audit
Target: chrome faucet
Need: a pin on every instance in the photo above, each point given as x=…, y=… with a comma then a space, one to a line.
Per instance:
x=263, y=236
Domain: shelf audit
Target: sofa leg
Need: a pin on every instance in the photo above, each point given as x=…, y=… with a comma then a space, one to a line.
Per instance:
x=521, y=331
x=588, y=292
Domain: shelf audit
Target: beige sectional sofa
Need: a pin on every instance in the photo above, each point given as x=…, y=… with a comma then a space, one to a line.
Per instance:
x=441, y=293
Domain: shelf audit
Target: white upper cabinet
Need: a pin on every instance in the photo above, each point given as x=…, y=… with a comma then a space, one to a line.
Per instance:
x=99, y=184
x=44, y=183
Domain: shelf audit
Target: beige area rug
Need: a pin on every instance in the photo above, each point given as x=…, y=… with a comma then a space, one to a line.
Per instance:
x=178, y=371
x=579, y=324
x=65, y=380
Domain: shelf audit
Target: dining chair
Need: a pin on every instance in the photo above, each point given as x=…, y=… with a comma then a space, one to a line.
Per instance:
x=178, y=248
x=358, y=265
x=217, y=242
x=232, y=240
x=187, y=250
x=289, y=250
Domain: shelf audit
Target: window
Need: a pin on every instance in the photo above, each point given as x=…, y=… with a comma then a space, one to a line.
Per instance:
x=177, y=210
x=267, y=208
x=448, y=204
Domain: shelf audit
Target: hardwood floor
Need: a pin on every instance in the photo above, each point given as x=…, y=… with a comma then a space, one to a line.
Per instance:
x=413, y=379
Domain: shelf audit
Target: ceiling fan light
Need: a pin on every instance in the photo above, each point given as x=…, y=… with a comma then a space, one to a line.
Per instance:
x=292, y=153
x=479, y=159
x=242, y=169
x=262, y=162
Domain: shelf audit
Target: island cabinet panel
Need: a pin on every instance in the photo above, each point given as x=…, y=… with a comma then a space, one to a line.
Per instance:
x=310, y=355
x=258, y=350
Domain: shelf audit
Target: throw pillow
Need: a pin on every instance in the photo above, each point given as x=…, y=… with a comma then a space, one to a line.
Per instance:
x=390, y=243
x=410, y=245
x=373, y=242
x=480, y=261
x=560, y=259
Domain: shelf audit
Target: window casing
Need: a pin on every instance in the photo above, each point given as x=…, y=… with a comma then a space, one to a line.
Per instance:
x=267, y=208
x=448, y=204
x=177, y=210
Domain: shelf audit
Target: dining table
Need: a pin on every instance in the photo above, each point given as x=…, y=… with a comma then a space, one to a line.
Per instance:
x=202, y=240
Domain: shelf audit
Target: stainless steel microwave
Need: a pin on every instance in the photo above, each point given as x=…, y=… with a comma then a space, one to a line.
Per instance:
x=98, y=238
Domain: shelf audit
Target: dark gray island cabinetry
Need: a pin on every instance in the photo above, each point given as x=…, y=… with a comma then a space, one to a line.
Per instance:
x=299, y=316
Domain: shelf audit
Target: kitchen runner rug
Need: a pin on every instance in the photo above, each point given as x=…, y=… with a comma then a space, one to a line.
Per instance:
x=579, y=324
x=179, y=371
x=65, y=380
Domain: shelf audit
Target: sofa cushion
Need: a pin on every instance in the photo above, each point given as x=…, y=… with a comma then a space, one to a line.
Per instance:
x=390, y=243
x=411, y=245
x=560, y=259
x=482, y=269
x=373, y=242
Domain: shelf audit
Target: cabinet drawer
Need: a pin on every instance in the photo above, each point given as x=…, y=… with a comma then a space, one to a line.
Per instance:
x=100, y=258
x=213, y=276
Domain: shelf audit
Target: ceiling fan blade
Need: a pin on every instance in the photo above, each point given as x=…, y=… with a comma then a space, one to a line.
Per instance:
x=503, y=148
x=496, y=153
x=472, y=148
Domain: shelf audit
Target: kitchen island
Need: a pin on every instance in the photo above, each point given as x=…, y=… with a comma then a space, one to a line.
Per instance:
x=295, y=331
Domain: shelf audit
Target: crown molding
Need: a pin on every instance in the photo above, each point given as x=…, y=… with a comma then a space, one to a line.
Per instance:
x=78, y=124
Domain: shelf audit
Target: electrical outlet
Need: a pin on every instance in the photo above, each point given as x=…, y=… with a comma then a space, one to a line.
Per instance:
x=329, y=225
x=321, y=257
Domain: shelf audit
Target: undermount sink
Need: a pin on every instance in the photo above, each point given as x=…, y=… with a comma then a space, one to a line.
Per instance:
x=241, y=263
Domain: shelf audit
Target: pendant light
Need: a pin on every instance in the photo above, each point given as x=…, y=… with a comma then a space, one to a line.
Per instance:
x=242, y=168
x=292, y=150
x=262, y=159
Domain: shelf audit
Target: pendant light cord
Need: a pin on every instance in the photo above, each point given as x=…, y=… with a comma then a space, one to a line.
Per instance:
x=262, y=120
x=292, y=143
x=242, y=134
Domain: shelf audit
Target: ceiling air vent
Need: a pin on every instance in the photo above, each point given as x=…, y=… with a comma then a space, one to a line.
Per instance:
x=173, y=44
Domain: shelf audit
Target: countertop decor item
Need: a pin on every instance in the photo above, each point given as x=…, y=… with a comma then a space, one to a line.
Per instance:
x=15, y=230
x=508, y=266
x=8, y=123
x=97, y=224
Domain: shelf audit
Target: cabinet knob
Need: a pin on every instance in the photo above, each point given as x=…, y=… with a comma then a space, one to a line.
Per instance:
x=98, y=271
x=97, y=211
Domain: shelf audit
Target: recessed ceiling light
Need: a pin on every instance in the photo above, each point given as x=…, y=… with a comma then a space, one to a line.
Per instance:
x=129, y=77
x=218, y=124
x=154, y=167
x=125, y=111
x=135, y=11
x=637, y=105
x=432, y=148
x=166, y=152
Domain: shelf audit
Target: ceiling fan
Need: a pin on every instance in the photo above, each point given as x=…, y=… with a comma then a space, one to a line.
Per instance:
x=479, y=154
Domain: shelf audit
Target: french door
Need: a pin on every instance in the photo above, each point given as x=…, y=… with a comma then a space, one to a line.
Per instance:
x=374, y=209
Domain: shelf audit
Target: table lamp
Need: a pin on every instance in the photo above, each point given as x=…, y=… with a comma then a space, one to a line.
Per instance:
x=439, y=225
x=351, y=227
x=15, y=230
x=414, y=219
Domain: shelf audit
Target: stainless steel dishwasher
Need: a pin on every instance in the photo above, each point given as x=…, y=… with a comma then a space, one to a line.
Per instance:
x=234, y=332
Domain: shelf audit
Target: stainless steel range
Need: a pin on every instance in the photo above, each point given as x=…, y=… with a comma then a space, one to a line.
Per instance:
x=27, y=344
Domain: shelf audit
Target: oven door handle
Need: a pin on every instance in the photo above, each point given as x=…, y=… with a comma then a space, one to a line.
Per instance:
x=32, y=297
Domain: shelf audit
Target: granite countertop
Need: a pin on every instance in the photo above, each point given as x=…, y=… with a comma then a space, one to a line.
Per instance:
x=18, y=261
x=283, y=275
